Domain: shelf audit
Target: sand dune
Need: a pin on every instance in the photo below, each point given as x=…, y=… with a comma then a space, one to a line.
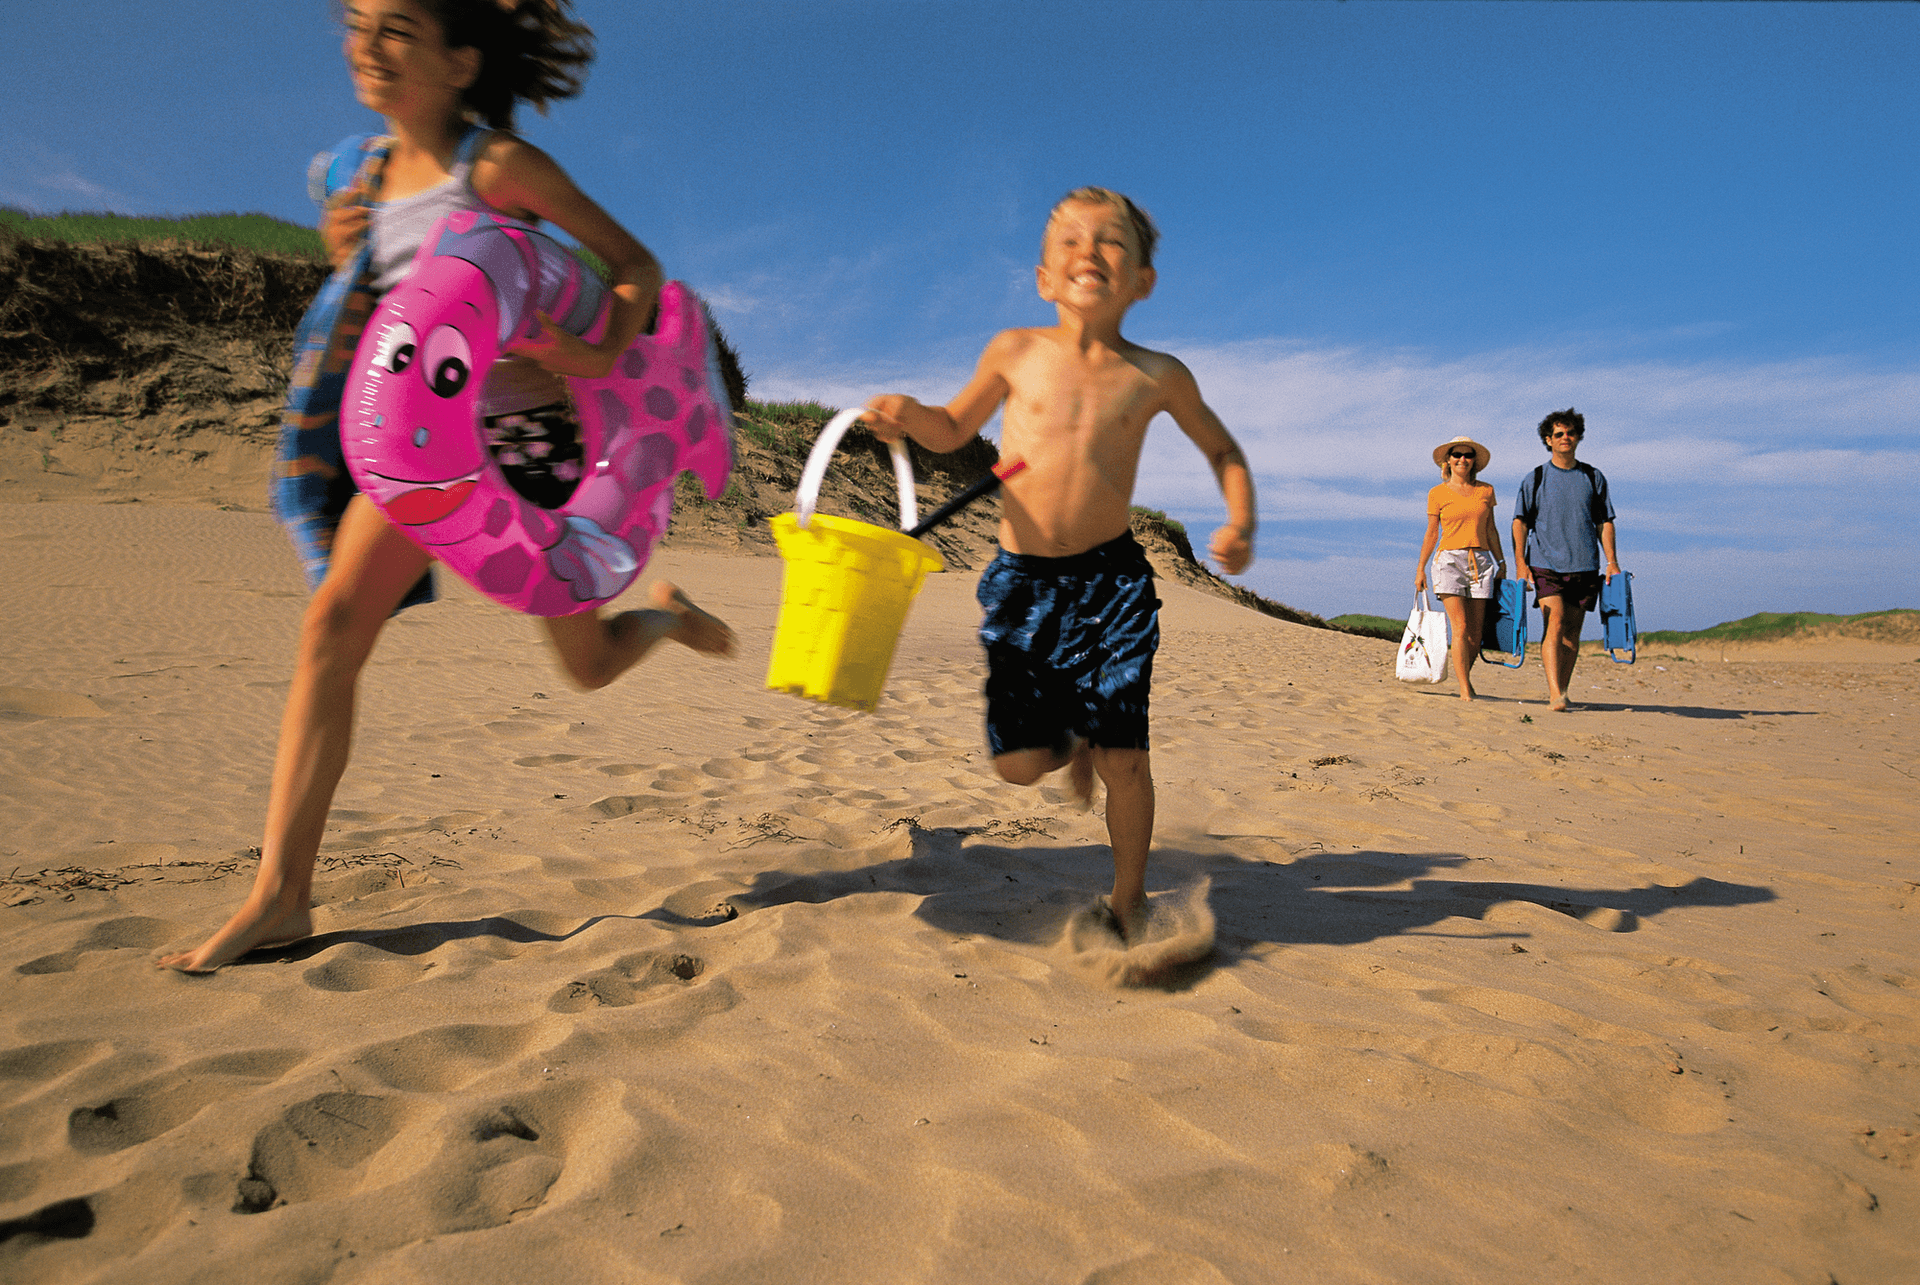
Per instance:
x=690, y=981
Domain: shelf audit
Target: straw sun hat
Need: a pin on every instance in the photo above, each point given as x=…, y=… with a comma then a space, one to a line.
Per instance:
x=1480, y=453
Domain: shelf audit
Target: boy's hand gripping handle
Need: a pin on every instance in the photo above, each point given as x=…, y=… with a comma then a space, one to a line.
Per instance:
x=815, y=472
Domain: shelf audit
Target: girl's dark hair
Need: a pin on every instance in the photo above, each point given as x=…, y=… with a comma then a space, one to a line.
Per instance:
x=531, y=51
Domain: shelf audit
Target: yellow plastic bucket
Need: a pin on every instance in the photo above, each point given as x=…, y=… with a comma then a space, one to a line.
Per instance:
x=846, y=589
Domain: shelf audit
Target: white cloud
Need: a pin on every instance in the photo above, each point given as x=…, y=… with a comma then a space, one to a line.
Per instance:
x=44, y=182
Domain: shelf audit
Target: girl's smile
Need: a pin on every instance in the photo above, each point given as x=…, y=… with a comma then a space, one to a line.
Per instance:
x=398, y=58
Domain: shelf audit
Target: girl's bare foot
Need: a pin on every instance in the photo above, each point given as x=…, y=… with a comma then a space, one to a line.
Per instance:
x=689, y=624
x=249, y=929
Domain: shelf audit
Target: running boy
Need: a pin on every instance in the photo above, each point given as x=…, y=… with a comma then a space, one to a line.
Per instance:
x=1071, y=616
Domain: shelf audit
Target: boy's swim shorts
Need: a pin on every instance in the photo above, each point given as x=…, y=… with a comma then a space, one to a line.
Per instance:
x=1580, y=589
x=1070, y=645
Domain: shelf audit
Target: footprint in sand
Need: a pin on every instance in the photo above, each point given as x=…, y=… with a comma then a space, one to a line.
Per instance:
x=702, y=905
x=496, y=1163
x=446, y=1058
x=147, y=1110
x=22, y=1069
x=360, y=967
x=621, y=985
x=317, y=1148
x=133, y=932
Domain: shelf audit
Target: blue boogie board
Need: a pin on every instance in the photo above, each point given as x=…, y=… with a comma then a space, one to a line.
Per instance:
x=1616, y=617
x=1505, y=629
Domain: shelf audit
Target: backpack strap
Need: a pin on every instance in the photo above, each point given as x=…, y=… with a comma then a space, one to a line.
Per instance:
x=1596, y=512
x=1530, y=512
x=330, y=173
x=469, y=149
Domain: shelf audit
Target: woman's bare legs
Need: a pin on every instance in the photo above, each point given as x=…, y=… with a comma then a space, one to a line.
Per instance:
x=371, y=569
x=594, y=650
x=1467, y=616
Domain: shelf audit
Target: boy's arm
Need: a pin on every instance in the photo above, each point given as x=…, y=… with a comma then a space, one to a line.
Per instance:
x=945, y=428
x=1520, y=567
x=1606, y=547
x=1232, y=544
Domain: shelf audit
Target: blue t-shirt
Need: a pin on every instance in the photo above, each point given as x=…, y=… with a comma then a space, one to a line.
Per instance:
x=1564, y=515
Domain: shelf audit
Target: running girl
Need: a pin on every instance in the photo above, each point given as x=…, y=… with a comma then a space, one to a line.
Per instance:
x=446, y=75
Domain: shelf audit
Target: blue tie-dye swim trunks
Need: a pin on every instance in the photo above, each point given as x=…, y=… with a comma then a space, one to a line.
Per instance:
x=1070, y=645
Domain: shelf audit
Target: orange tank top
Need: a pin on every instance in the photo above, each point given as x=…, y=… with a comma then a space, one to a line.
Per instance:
x=1466, y=521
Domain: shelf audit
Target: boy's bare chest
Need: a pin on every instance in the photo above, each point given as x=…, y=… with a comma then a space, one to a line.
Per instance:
x=1054, y=395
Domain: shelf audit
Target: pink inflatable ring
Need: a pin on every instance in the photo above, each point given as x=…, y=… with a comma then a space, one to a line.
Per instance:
x=410, y=423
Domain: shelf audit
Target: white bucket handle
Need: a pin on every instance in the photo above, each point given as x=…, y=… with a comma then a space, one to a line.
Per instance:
x=816, y=472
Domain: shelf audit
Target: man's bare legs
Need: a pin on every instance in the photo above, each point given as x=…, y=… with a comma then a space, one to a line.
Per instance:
x=1128, y=776
x=1560, y=648
x=1467, y=616
x=371, y=569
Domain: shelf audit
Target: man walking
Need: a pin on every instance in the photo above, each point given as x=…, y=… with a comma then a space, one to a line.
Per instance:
x=1562, y=510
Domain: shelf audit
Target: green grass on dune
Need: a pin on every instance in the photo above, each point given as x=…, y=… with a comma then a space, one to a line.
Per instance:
x=1172, y=524
x=1378, y=624
x=787, y=428
x=1767, y=626
x=259, y=233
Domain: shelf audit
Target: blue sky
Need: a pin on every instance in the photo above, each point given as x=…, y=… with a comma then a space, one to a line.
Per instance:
x=1384, y=224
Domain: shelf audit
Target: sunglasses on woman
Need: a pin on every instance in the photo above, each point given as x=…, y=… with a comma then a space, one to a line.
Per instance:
x=1459, y=455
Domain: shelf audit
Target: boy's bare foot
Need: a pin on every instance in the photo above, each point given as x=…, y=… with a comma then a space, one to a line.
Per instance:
x=1561, y=705
x=247, y=930
x=690, y=625
x=1129, y=926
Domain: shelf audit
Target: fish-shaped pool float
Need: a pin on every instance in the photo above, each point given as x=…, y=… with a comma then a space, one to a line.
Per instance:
x=410, y=418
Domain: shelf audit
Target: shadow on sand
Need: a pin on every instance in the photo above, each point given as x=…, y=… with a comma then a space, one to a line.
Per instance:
x=1025, y=893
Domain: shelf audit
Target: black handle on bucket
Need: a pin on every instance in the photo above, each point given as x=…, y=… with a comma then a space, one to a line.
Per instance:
x=985, y=486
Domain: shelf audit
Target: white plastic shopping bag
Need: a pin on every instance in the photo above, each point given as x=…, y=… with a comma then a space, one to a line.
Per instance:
x=1423, y=648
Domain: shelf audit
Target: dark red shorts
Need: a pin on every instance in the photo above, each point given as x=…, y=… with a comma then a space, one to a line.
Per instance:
x=1574, y=588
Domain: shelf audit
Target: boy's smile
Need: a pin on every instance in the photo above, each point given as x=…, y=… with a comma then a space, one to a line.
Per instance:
x=1091, y=258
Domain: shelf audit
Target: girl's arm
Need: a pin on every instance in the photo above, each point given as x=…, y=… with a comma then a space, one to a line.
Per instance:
x=1426, y=551
x=520, y=180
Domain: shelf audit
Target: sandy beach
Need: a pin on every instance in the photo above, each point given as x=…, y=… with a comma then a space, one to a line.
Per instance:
x=687, y=981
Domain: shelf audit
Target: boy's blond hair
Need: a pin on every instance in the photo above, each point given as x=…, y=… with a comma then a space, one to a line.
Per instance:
x=1143, y=229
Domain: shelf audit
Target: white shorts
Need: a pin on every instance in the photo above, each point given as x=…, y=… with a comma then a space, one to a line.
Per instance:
x=1465, y=573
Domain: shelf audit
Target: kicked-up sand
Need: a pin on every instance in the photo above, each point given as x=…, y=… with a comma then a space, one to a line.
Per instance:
x=686, y=981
